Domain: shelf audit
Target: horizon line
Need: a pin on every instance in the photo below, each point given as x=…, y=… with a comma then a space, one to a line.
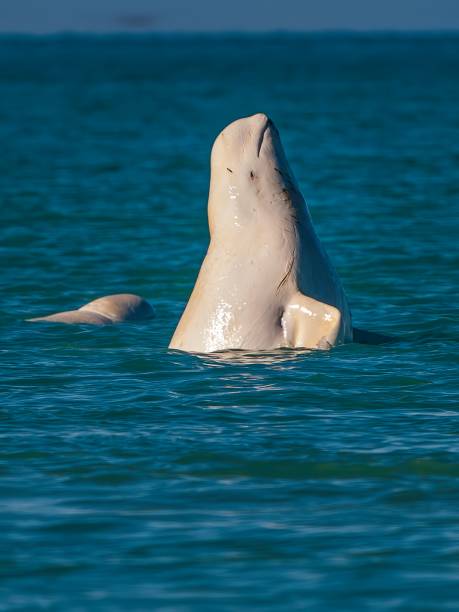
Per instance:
x=186, y=32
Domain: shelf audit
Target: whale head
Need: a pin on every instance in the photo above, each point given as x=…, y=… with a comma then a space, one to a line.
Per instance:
x=251, y=182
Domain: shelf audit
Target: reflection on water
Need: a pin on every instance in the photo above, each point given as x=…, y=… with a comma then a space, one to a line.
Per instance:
x=240, y=357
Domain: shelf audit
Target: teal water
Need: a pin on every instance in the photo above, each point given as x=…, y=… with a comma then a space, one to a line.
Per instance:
x=137, y=478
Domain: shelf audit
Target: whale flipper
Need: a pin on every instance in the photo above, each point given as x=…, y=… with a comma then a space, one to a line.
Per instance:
x=308, y=323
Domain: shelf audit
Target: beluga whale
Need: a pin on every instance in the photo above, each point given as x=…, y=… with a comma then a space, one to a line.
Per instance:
x=266, y=281
x=106, y=310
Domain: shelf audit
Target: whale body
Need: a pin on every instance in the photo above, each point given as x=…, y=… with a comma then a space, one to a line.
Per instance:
x=266, y=281
x=105, y=311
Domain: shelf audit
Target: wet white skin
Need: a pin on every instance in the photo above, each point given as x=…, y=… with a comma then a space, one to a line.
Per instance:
x=266, y=281
x=105, y=311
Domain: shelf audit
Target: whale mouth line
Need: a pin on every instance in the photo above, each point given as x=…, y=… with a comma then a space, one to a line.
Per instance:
x=262, y=136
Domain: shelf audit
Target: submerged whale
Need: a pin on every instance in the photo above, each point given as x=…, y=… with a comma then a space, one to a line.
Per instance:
x=105, y=311
x=266, y=281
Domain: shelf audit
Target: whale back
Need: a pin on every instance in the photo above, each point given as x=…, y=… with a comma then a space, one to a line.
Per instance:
x=105, y=311
x=120, y=307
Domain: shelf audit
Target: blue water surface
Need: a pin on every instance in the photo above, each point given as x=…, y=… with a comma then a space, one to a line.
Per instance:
x=133, y=477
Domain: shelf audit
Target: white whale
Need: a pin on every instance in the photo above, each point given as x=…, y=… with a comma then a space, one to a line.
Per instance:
x=105, y=311
x=266, y=281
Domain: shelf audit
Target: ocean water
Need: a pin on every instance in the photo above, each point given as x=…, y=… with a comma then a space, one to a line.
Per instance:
x=133, y=477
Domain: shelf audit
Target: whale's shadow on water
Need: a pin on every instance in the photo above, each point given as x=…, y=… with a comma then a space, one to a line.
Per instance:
x=363, y=336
